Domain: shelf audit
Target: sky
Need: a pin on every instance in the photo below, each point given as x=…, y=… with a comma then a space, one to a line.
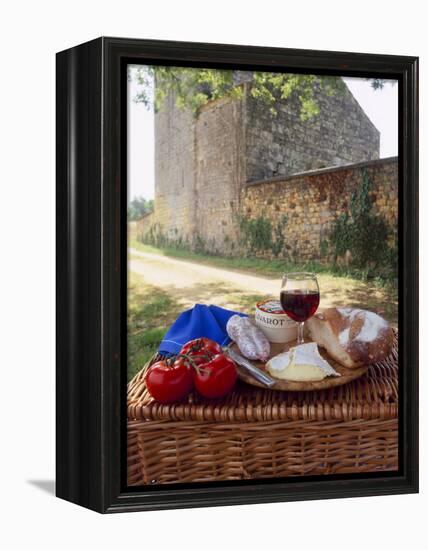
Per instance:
x=141, y=147
x=381, y=106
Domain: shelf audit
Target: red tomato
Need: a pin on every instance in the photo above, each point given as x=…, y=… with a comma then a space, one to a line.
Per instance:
x=217, y=377
x=167, y=383
x=200, y=350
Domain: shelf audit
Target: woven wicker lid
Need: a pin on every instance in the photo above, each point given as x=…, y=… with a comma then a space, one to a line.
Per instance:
x=374, y=395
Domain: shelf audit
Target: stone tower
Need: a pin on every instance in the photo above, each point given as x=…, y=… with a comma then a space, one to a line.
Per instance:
x=203, y=163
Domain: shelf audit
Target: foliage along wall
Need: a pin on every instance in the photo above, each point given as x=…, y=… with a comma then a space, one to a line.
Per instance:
x=315, y=215
x=321, y=214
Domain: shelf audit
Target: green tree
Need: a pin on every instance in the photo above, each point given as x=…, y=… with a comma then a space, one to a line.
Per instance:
x=138, y=207
x=193, y=88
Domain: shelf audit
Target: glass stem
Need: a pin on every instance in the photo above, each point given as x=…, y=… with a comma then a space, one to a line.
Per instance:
x=300, y=333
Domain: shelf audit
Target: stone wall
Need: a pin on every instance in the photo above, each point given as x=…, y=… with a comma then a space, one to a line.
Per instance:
x=175, y=174
x=220, y=174
x=132, y=230
x=208, y=170
x=282, y=144
x=312, y=201
x=143, y=227
x=199, y=171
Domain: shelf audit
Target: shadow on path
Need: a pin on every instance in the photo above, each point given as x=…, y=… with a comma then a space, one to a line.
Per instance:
x=189, y=283
x=221, y=294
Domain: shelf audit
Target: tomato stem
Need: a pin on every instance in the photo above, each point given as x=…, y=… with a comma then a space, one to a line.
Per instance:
x=188, y=359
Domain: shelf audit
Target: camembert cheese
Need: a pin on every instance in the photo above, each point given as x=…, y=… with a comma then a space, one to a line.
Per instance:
x=301, y=364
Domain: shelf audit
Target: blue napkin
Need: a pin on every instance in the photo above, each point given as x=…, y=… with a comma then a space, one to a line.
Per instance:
x=197, y=322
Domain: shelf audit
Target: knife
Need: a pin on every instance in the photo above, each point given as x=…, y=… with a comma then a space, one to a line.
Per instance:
x=252, y=369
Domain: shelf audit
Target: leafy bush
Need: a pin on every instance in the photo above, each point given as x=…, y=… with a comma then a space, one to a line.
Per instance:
x=256, y=233
x=279, y=241
x=363, y=233
x=138, y=207
x=259, y=235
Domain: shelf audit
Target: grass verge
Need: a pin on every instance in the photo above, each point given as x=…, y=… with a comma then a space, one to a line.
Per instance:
x=150, y=312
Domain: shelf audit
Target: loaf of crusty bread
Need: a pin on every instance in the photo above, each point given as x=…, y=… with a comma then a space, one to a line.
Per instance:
x=354, y=337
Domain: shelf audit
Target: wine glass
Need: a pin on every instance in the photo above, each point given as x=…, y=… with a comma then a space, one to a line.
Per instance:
x=300, y=298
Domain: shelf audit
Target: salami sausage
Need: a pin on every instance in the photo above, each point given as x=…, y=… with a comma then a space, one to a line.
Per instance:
x=251, y=341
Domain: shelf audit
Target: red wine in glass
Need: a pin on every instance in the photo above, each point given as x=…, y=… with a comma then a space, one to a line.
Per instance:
x=300, y=305
x=300, y=298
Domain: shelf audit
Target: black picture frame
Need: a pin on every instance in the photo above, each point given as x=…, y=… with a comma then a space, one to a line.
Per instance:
x=91, y=273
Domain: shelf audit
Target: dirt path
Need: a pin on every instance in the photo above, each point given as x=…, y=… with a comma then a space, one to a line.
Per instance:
x=190, y=283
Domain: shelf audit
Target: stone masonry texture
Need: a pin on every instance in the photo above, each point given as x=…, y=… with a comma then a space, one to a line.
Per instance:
x=312, y=201
x=236, y=160
x=282, y=145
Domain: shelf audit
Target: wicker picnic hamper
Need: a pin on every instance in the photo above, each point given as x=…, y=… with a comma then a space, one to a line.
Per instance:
x=259, y=433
